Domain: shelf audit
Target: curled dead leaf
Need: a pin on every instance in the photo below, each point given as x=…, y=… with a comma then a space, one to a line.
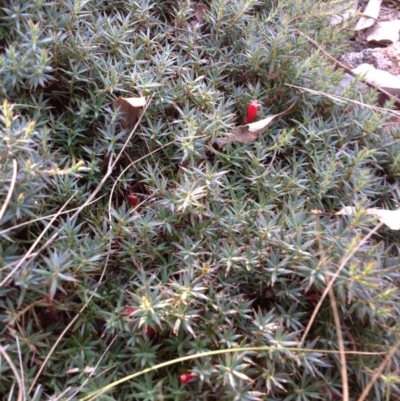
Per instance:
x=199, y=11
x=88, y=369
x=370, y=15
x=390, y=218
x=72, y=370
x=384, y=32
x=199, y=20
x=130, y=110
x=378, y=78
x=250, y=132
x=317, y=212
x=346, y=211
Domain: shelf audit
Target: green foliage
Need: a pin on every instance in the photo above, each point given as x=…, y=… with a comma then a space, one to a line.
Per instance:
x=223, y=250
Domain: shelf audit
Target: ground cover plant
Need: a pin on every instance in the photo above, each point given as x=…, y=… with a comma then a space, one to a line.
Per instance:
x=125, y=249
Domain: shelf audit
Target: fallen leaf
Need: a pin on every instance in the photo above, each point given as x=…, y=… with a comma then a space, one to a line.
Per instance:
x=370, y=15
x=199, y=13
x=130, y=110
x=250, y=132
x=199, y=22
x=87, y=369
x=318, y=212
x=385, y=32
x=72, y=370
x=390, y=218
x=343, y=12
x=346, y=211
x=383, y=79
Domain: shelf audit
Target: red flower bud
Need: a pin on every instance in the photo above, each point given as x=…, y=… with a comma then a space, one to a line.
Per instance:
x=252, y=111
x=187, y=377
x=128, y=311
x=313, y=297
x=149, y=331
x=334, y=393
x=133, y=199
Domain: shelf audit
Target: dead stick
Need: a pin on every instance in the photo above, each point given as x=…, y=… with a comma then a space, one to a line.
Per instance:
x=347, y=69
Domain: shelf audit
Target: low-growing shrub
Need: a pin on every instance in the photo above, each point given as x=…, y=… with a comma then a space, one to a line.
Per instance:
x=120, y=251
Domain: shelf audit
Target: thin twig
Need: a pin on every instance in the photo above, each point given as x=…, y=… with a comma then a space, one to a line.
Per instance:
x=49, y=216
x=15, y=371
x=21, y=365
x=94, y=394
x=77, y=390
x=127, y=168
x=10, y=191
x=378, y=372
x=69, y=325
x=342, y=353
x=91, y=197
x=335, y=276
x=341, y=99
x=344, y=67
x=33, y=246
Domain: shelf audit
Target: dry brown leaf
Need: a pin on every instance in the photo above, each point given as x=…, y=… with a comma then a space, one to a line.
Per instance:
x=372, y=10
x=382, y=79
x=385, y=32
x=346, y=211
x=88, y=369
x=390, y=218
x=317, y=212
x=130, y=110
x=72, y=370
x=199, y=11
x=250, y=132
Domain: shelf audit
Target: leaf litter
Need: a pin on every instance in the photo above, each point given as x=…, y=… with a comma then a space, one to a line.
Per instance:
x=130, y=108
x=391, y=218
x=370, y=15
x=379, y=24
x=250, y=132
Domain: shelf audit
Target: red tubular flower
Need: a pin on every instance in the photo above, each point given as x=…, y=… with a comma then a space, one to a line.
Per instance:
x=252, y=111
x=334, y=393
x=133, y=199
x=128, y=311
x=187, y=377
x=313, y=297
x=149, y=331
